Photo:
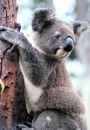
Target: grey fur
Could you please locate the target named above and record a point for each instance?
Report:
(47, 71)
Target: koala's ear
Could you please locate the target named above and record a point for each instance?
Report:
(41, 19)
(80, 27)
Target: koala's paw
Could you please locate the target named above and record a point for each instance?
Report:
(10, 35)
(5, 33)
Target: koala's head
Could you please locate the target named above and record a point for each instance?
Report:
(53, 36)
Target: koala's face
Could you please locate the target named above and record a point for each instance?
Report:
(57, 39)
(53, 36)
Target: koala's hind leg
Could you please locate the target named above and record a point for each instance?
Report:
(53, 120)
(56, 120)
(47, 120)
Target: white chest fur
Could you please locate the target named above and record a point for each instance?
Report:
(32, 93)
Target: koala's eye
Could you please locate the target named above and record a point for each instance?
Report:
(57, 34)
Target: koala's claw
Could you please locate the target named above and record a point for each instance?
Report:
(2, 29)
(8, 34)
(13, 48)
(17, 27)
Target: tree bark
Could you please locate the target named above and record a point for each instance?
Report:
(8, 65)
(49, 4)
(81, 9)
(83, 46)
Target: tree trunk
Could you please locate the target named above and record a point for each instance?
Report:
(8, 65)
(49, 4)
(81, 9)
(83, 46)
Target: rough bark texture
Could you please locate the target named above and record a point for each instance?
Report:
(83, 45)
(49, 4)
(81, 9)
(8, 66)
(8, 73)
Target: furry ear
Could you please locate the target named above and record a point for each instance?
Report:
(42, 18)
(80, 27)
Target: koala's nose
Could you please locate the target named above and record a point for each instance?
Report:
(68, 44)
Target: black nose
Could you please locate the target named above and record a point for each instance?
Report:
(68, 44)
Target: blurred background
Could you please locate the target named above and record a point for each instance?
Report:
(78, 64)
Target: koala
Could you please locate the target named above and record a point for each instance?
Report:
(48, 90)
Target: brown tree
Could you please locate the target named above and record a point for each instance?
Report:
(83, 46)
(9, 113)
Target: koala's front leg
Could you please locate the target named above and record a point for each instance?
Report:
(34, 63)
(12, 36)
